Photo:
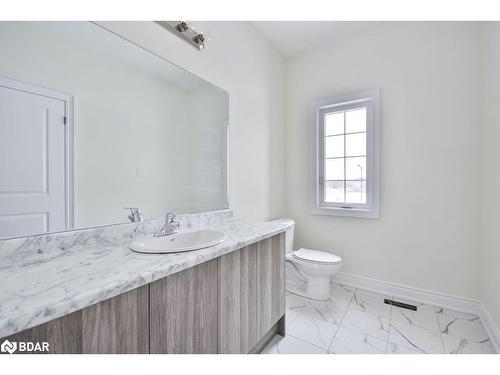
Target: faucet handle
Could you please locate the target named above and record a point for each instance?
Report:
(170, 218)
(135, 214)
(132, 209)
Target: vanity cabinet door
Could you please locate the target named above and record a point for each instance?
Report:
(249, 295)
(183, 310)
(229, 323)
(238, 315)
(271, 282)
(117, 325)
(64, 335)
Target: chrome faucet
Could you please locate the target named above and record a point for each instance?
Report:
(135, 214)
(171, 226)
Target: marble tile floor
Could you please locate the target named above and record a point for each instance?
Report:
(356, 321)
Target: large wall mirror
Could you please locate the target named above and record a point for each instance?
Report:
(91, 123)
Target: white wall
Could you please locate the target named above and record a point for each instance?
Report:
(490, 118)
(428, 233)
(241, 62)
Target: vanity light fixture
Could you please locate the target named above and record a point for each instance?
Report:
(186, 32)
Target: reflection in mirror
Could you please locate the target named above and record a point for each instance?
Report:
(92, 125)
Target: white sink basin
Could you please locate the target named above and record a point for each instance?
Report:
(179, 242)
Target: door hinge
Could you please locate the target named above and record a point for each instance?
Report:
(64, 120)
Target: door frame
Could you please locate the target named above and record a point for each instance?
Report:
(68, 100)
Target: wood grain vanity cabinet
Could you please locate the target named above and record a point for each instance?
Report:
(271, 282)
(231, 304)
(251, 294)
(238, 316)
(117, 325)
(184, 311)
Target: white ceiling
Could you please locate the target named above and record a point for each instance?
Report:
(292, 38)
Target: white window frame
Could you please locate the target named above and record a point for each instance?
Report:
(370, 99)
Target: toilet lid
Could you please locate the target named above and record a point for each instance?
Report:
(316, 256)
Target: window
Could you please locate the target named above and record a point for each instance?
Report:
(345, 155)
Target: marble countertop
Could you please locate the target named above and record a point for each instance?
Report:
(36, 288)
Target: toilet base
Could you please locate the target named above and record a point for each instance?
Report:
(316, 287)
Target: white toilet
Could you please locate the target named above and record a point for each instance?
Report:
(308, 271)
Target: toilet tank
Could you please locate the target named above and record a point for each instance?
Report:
(289, 232)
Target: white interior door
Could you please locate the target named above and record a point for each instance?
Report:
(32, 162)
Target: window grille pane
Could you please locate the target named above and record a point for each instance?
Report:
(345, 150)
(334, 169)
(334, 191)
(356, 168)
(355, 192)
(334, 146)
(356, 120)
(355, 144)
(334, 123)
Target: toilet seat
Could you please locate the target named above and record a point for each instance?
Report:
(316, 256)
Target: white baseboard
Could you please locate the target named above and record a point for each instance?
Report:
(457, 303)
(448, 301)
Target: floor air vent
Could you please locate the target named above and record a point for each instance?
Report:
(400, 304)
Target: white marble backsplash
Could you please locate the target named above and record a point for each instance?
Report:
(46, 245)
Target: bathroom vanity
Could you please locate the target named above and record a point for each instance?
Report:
(98, 296)
(130, 136)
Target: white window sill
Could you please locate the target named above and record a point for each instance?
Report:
(346, 212)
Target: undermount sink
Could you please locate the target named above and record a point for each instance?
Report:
(179, 242)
